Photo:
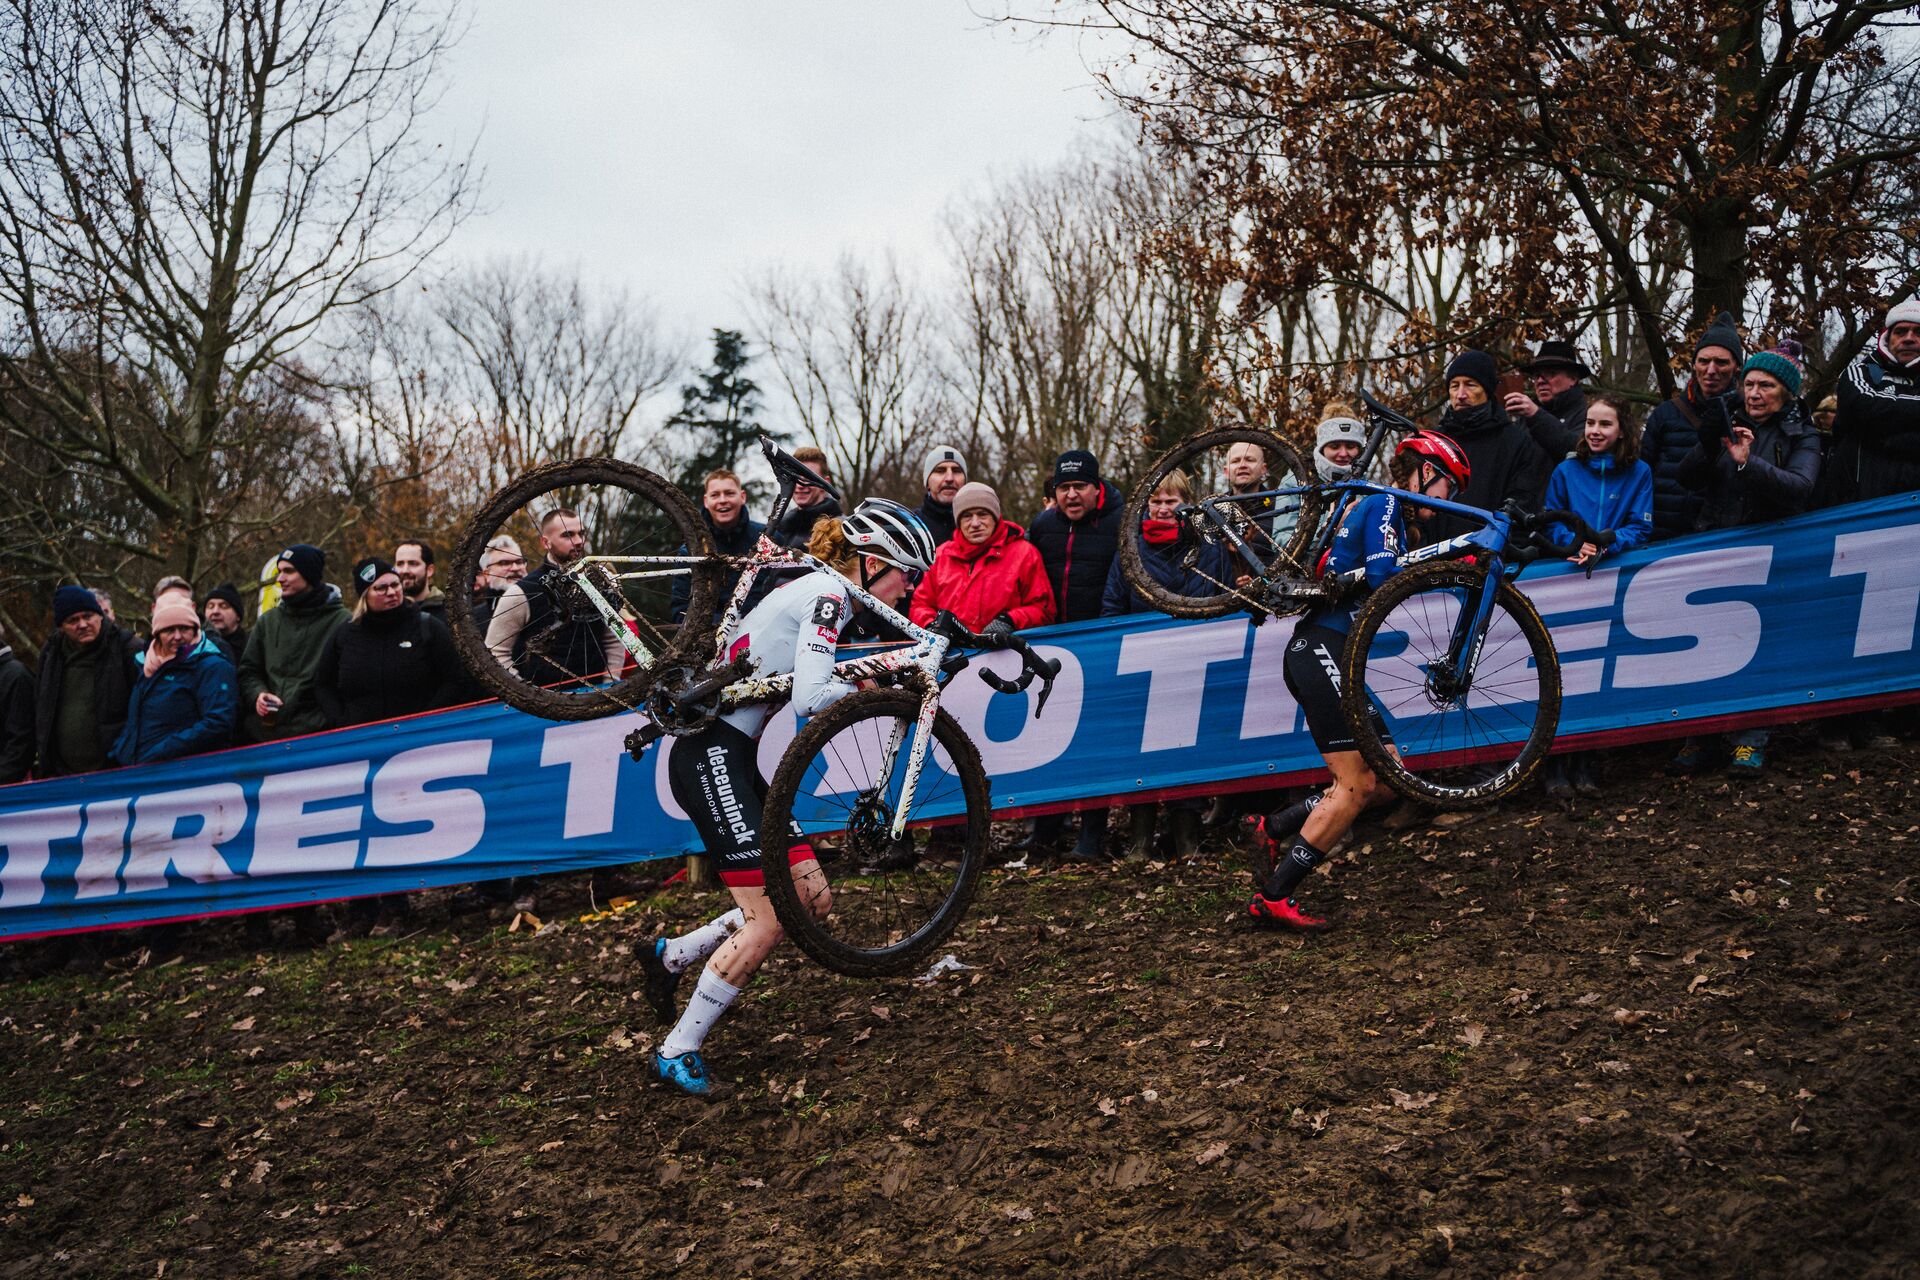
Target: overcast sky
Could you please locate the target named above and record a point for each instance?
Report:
(676, 148)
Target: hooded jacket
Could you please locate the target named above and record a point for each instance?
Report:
(1778, 480)
(1607, 496)
(978, 584)
(1166, 561)
(1506, 463)
(114, 674)
(1079, 553)
(1557, 427)
(383, 665)
(1673, 428)
(283, 651)
(1876, 433)
(186, 707)
(737, 540)
(17, 741)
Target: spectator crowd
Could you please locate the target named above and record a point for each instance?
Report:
(1737, 445)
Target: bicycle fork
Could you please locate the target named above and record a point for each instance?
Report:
(1454, 679)
(916, 759)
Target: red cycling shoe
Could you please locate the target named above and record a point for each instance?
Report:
(1285, 914)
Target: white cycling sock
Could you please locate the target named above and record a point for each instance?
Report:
(710, 999)
(690, 949)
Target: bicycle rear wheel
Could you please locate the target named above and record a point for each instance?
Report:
(1459, 744)
(1278, 530)
(561, 660)
(840, 783)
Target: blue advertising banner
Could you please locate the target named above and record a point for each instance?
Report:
(1816, 610)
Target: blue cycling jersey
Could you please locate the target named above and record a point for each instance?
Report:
(1372, 535)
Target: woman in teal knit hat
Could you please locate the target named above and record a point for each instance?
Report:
(1757, 460)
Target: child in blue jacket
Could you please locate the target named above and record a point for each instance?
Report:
(1604, 483)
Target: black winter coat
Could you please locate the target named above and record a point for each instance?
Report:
(1876, 434)
(1506, 462)
(1672, 429)
(796, 526)
(17, 738)
(735, 541)
(113, 685)
(1778, 480)
(1559, 424)
(1079, 554)
(382, 665)
(938, 517)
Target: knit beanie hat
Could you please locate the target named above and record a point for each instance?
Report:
(1907, 312)
(1479, 366)
(174, 612)
(369, 571)
(1722, 333)
(938, 454)
(69, 600)
(1783, 363)
(309, 561)
(1075, 466)
(228, 592)
(974, 496)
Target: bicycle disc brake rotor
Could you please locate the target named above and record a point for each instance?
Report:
(870, 827)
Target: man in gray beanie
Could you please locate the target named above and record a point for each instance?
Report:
(945, 471)
(1673, 428)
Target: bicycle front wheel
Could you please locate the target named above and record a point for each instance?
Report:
(634, 540)
(837, 790)
(1470, 723)
(1232, 474)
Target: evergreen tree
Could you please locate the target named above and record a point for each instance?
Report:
(720, 412)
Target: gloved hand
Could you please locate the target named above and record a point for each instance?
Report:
(1000, 630)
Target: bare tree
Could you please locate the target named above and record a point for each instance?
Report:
(852, 354)
(538, 369)
(190, 194)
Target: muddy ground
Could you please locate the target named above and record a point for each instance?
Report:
(1670, 1034)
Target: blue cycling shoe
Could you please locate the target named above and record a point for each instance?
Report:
(661, 982)
(687, 1073)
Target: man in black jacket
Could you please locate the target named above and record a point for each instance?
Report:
(1673, 428)
(723, 505)
(1556, 414)
(1506, 461)
(1078, 538)
(1079, 535)
(945, 471)
(87, 673)
(527, 633)
(1876, 433)
(17, 737)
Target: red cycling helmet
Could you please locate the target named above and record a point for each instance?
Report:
(1448, 458)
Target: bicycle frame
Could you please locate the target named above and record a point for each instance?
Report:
(920, 659)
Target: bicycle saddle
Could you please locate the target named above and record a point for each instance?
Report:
(790, 471)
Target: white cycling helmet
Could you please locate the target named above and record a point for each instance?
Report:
(888, 531)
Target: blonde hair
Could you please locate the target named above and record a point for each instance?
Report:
(1176, 481)
(828, 544)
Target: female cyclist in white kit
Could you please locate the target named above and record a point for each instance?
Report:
(715, 778)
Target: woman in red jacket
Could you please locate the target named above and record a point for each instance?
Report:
(987, 570)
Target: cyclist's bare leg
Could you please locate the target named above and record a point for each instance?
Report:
(737, 959)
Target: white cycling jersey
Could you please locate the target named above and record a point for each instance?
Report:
(794, 630)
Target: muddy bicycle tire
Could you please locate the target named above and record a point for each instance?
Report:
(956, 887)
(1463, 785)
(1180, 457)
(689, 644)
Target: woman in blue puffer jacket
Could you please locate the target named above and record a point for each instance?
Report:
(1604, 483)
(187, 696)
